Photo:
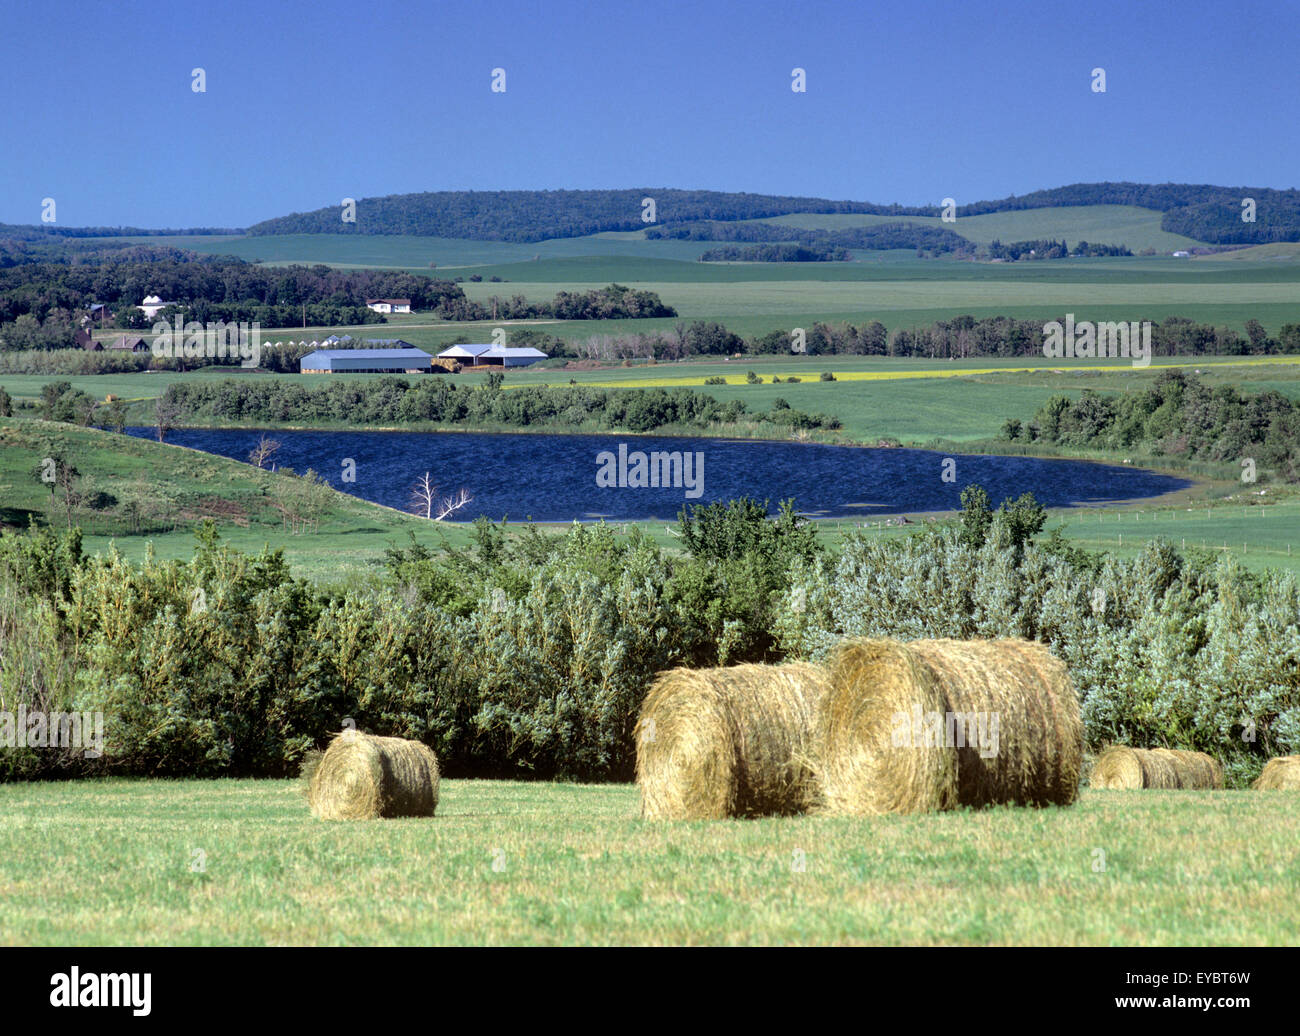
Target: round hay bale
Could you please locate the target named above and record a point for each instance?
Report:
(865, 765)
(361, 777)
(1035, 732)
(728, 742)
(1118, 768)
(1281, 773)
(1123, 768)
(1192, 770)
(938, 724)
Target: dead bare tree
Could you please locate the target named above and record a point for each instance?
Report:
(261, 453)
(427, 500)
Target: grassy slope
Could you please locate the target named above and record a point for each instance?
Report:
(1128, 225)
(350, 534)
(580, 867)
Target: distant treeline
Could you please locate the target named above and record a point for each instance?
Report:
(872, 237)
(1178, 416)
(1048, 249)
(39, 300)
(437, 399)
(966, 336)
(774, 254)
(1202, 211)
(42, 231)
(211, 287)
(958, 337)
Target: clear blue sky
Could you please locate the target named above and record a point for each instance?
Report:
(309, 103)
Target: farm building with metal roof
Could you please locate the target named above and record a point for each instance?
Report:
(502, 356)
(492, 355)
(464, 353)
(367, 361)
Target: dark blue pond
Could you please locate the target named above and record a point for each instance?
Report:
(554, 477)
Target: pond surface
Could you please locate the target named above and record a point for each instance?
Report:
(557, 478)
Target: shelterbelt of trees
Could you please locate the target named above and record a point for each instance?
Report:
(831, 244)
(960, 337)
(529, 656)
(1202, 211)
(1178, 416)
(440, 400)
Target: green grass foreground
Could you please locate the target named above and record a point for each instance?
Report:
(243, 862)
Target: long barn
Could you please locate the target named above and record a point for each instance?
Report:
(367, 361)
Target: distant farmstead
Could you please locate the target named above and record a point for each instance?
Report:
(389, 305)
(367, 361)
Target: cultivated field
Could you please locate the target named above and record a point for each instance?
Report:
(242, 862)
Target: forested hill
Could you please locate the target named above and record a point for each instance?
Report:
(538, 215)
(1200, 211)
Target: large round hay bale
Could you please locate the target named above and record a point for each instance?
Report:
(728, 742)
(1279, 774)
(938, 724)
(361, 777)
(1123, 768)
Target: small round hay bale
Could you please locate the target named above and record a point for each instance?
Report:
(361, 777)
(938, 724)
(866, 761)
(728, 742)
(1193, 771)
(1281, 773)
(1118, 768)
(1124, 768)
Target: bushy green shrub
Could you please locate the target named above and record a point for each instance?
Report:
(1164, 649)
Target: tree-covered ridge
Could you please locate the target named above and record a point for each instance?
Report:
(538, 215)
(1179, 416)
(1202, 211)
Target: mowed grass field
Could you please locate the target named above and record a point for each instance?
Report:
(156, 862)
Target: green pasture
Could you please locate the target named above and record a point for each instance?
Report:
(234, 862)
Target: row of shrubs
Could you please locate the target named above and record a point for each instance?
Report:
(437, 399)
(528, 654)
